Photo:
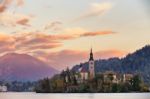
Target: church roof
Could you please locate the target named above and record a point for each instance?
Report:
(91, 55)
(83, 70)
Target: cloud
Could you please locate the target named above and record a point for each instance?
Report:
(20, 2)
(74, 33)
(5, 4)
(62, 59)
(2, 8)
(35, 41)
(76, 30)
(43, 46)
(23, 21)
(26, 42)
(6, 43)
(13, 19)
(68, 58)
(96, 9)
(5, 39)
(40, 45)
(38, 40)
(56, 25)
(110, 53)
(96, 33)
(32, 41)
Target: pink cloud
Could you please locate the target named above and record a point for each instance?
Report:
(97, 33)
(95, 9)
(2, 8)
(12, 19)
(33, 42)
(23, 21)
(27, 42)
(42, 46)
(4, 5)
(67, 58)
(20, 2)
(9, 19)
(6, 43)
(109, 53)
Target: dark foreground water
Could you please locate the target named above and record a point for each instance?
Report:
(74, 96)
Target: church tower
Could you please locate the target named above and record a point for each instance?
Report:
(91, 66)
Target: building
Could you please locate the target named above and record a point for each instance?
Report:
(84, 74)
(110, 76)
(87, 73)
(3, 88)
(91, 66)
(127, 77)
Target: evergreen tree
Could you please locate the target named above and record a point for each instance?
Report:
(136, 83)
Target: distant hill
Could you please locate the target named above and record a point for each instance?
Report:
(23, 67)
(135, 63)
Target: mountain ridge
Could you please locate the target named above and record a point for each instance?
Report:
(23, 67)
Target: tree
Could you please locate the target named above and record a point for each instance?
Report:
(115, 88)
(136, 83)
(43, 86)
(68, 74)
(63, 75)
(84, 88)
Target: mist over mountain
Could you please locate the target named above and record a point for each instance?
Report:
(135, 63)
(23, 67)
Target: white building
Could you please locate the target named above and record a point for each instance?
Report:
(89, 73)
(110, 76)
(3, 88)
(127, 77)
(84, 74)
(91, 66)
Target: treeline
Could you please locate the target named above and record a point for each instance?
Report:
(18, 86)
(58, 84)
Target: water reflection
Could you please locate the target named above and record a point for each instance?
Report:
(74, 96)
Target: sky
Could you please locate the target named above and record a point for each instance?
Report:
(62, 32)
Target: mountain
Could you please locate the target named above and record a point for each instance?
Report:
(23, 67)
(135, 63)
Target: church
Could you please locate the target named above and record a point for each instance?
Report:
(89, 73)
(85, 73)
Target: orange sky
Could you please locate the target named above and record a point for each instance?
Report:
(61, 33)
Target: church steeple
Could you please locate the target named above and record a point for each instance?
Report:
(91, 55)
(91, 66)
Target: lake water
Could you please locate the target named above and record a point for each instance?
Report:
(74, 96)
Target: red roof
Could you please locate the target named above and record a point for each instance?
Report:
(83, 70)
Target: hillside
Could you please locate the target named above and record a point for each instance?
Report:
(137, 62)
(23, 67)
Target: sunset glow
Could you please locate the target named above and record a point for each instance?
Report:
(61, 32)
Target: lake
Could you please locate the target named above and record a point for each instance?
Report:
(75, 96)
